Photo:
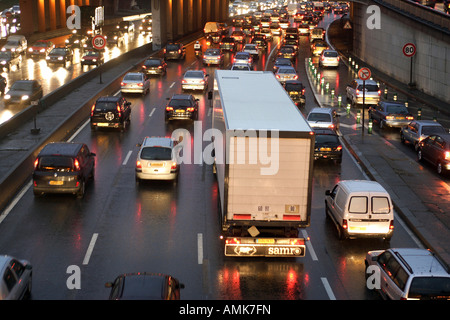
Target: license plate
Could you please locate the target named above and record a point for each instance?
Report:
(325, 149)
(400, 118)
(55, 183)
(102, 124)
(156, 164)
(179, 111)
(266, 240)
(357, 228)
(294, 92)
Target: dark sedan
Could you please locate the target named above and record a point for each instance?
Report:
(10, 58)
(182, 106)
(435, 149)
(391, 114)
(296, 91)
(76, 41)
(59, 56)
(23, 92)
(154, 66)
(327, 145)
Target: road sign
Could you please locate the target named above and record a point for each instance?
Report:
(99, 42)
(347, 25)
(364, 74)
(409, 49)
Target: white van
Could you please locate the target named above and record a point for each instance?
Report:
(211, 27)
(16, 43)
(360, 209)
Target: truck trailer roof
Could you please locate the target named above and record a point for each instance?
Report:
(256, 100)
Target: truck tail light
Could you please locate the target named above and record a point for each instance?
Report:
(291, 217)
(242, 216)
(297, 242)
(391, 225)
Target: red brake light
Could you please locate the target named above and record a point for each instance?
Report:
(190, 109)
(174, 166)
(338, 148)
(409, 117)
(36, 162)
(391, 225)
(447, 155)
(138, 164)
(92, 109)
(233, 241)
(140, 84)
(76, 164)
(169, 108)
(344, 224)
(122, 83)
(118, 110)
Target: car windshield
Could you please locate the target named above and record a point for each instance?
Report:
(156, 153)
(327, 138)
(22, 86)
(294, 87)
(58, 51)
(192, 74)
(50, 163)
(180, 103)
(429, 130)
(287, 70)
(319, 117)
(396, 109)
(132, 77)
(430, 288)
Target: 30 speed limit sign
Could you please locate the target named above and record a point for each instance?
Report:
(99, 42)
(409, 49)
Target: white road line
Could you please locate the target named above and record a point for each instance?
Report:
(127, 157)
(200, 248)
(328, 288)
(151, 113)
(79, 130)
(309, 246)
(209, 112)
(90, 249)
(115, 94)
(171, 86)
(8, 209)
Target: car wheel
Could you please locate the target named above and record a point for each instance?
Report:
(419, 155)
(439, 168)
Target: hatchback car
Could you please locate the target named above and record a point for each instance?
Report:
(110, 112)
(228, 44)
(154, 66)
(327, 145)
(266, 32)
(275, 28)
(144, 286)
(59, 56)
(242, 57)
(435, 149)
(323, 118)
(391, 114)
(252, 49)
(174, 51)
(135, 82)
(194, 80)
(238, 35)
(23, 92)
(296, 91)
(318, 47)
(15, 278)
(76, 41)
(92, 58)
(115, 38)
(241, 67)
(354, 92)
(281, 62)
(418, 130)
(407, 274)
(156, 160)
(213, 56)
(284, 74)
(40, 49)
(9, 59)
(260, 40)
(63, 167)
(287, 52)
(182, 106)
(329, 58)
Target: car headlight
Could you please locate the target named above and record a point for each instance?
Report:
(60, 58)
(67, 41)
(25, 97)
(7, 96)
(47, 58)
(13, 49)
(3, 62)
(94, 60)
(42, 50)
(30, 50)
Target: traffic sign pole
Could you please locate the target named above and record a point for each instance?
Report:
(409, 50)
(364, 74)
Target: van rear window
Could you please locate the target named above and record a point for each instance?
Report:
(380, 205)
(357, 205)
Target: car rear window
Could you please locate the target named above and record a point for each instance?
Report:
(193, 74)
(396, 109)
(294, 87)
(156, 153)
(172, 47)
(133, 77)
(100, 106)
(321, 117)
(369, 87)
(327, 138)
(152, 63)
(430, 288)
(180, 103)
(330, 54)
(51, 163)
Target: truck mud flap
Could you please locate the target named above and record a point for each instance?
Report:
(250, 247)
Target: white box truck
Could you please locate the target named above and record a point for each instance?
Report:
(263, 151)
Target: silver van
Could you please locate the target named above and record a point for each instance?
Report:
(360, 209)
(16, 43)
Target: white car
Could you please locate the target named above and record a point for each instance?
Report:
(194, 80)
(16, 276)
(243, 57)
(253, 49)
(156, 160)
(329, 58)
(241, 67)
(284, 74)
(135, 82)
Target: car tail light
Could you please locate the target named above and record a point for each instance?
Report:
(179, 50)
(344, 224)
(409, 117)
(357, 92)
(447, 155)
(202, 81)
(92, 109)
(379, 92)
(233, 241)
(391, 225)
(138, 164)
(190, 109)
(174, 166)
(76, 164)
(168, 108)
(122, 84)
(184, 81)
(119, 112)
(36, 162)
(339, 148)
(159, 67)
(390, 117)
(278, 76)
(144, 67)
(140, 84)
(295, 77)
(165, 50)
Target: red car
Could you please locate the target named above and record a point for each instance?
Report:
(92, 58)
(40, 49)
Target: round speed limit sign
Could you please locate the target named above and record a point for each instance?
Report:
(409, 49)
(99, 42)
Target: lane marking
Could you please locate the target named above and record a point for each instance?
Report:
(15, 201)
(328, 288)
(171, 86)
(309, 246)
(90, 249)
(151, 113)
(127, 157)
(200, 248)
(79, 130)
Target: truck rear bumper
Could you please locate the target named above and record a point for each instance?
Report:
(264, 247)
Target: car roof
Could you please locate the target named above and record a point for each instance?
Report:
(157, 141)
(61, 148)
(143, 286)
(359, 81)
(321, 110)
(422, 261)
(362, 186)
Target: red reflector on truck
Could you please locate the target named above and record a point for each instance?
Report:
(242, 216)
(291, 217)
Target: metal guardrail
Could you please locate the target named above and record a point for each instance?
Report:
(423, 14)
